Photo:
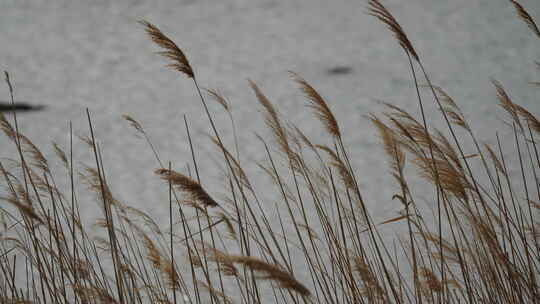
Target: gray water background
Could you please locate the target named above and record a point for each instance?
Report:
(73, 55)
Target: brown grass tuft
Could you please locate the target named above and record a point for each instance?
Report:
(378, 10)
(506, 103)
(319, 105)
(219, 98)
(451, 109)
(272, 119)
(172, 51)
(61, 154)
(431, 282)
(371, 286)
(338, 163)
(272, 272)
(188, 185)
(215, 292)
(525, 16)
(153, 254)
(172, 277)
(135, 124)
(391, 145)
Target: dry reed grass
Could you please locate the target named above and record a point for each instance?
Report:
(231, 253)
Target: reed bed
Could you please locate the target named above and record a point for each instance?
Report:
(480, 245)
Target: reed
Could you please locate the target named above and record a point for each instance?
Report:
(324, 246)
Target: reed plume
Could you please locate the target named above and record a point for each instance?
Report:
(172, 51)
(272, 119)
(378, 10)
(187, 185)
(272, 272)
(526, 17)
(319, 105)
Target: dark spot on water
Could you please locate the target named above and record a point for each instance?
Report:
(19, 107)
(340, 70)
